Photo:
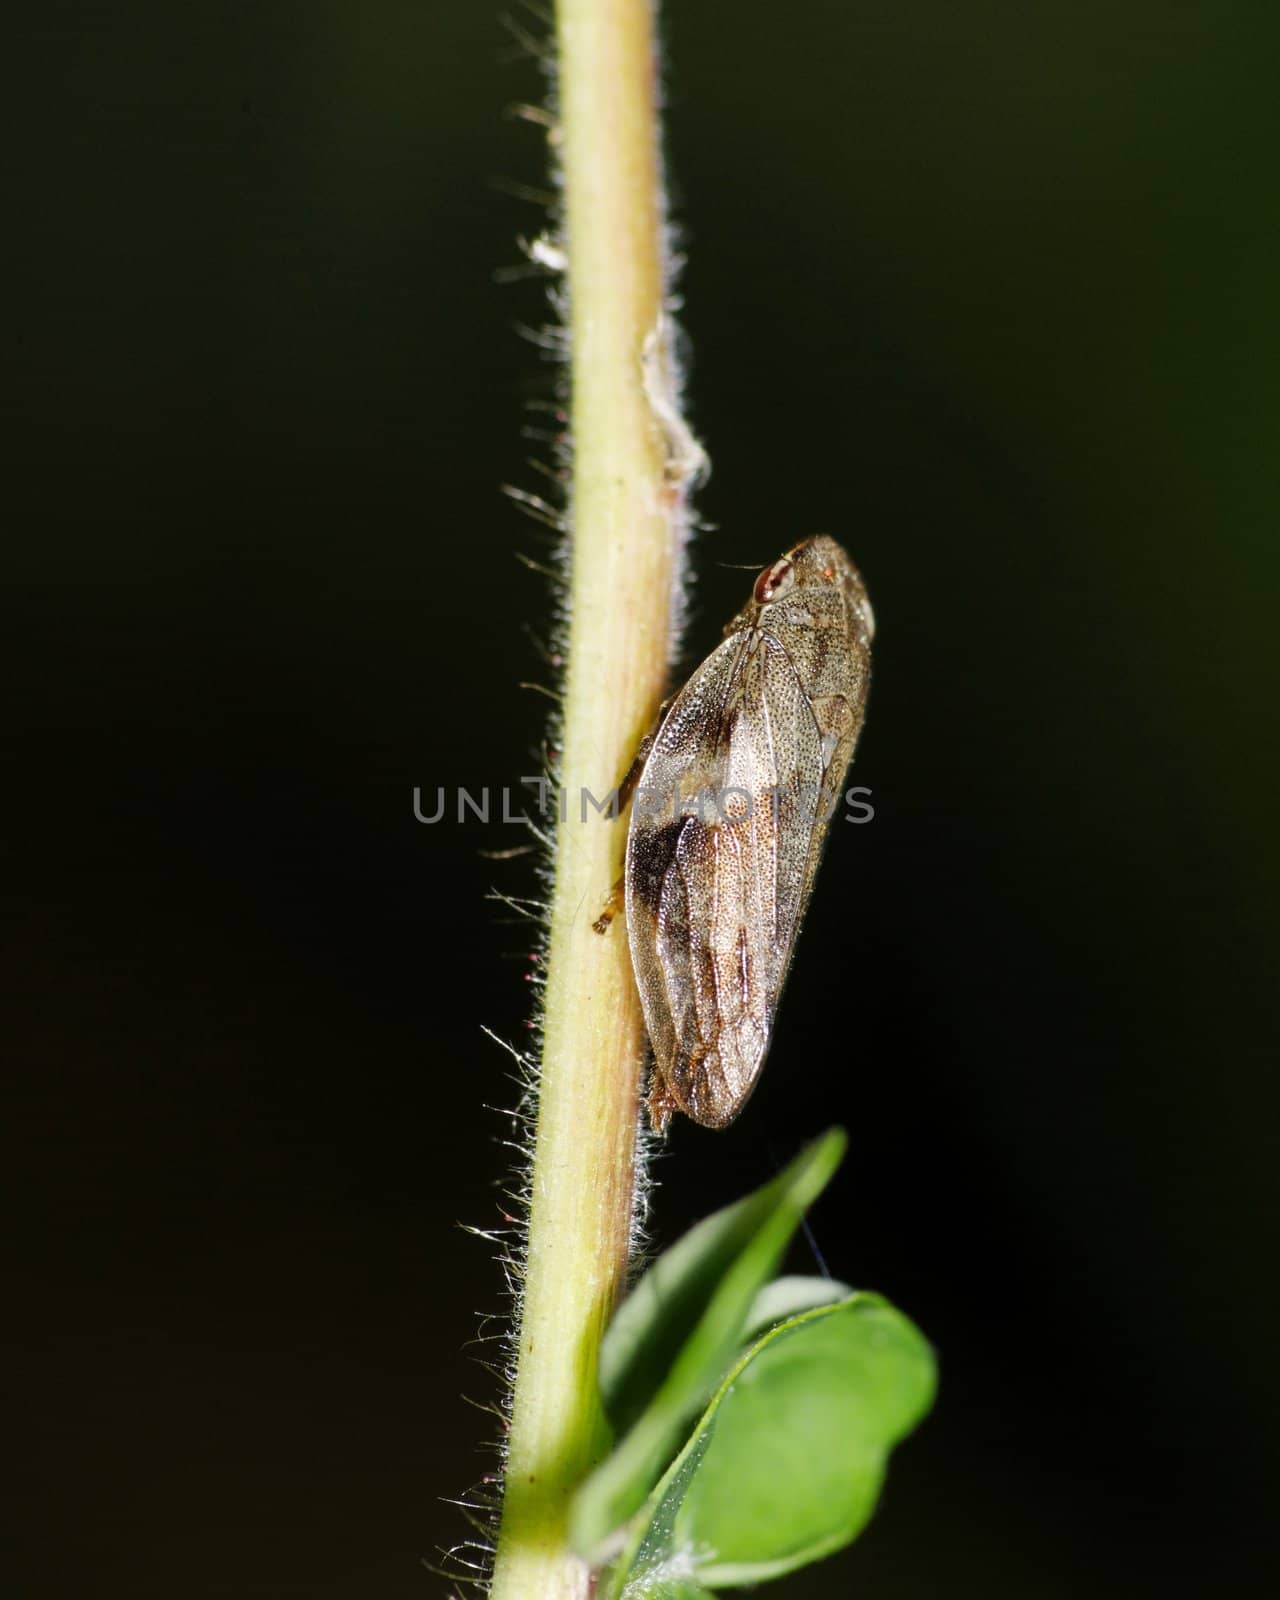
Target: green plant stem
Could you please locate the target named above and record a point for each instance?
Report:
(624, 548)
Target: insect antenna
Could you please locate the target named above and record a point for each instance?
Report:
(810, 1238)
(812, 1242)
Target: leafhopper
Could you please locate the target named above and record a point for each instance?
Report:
(731, 808)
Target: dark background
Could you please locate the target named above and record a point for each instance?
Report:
(988, 290)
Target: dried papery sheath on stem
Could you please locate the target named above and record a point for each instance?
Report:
(728, 821)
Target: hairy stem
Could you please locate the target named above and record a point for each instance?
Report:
(625, 518)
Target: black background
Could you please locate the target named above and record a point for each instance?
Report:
(987, 290)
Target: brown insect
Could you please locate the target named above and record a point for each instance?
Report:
(735, 794)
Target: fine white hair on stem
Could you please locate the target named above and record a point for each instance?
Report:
(665, 463)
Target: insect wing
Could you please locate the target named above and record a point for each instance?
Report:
(824, 631)
(729, 822)
(718, 870)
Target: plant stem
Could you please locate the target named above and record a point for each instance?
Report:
(625, 545)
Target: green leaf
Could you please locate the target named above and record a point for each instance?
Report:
(675, 1335)
(675, 1589)
(786, 1298)
(655, 1321)
(786, 1463)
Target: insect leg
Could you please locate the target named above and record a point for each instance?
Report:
(662, 1103)
(612, 906)
(625, 790)
(632, 775)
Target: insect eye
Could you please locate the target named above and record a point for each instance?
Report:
(829, 573)
(774, 581)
